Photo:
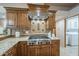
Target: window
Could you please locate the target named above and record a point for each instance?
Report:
(72, 31)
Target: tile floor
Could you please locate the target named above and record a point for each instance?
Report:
(69, 51)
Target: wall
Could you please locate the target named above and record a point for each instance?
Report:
(60, 31)
(2, 13)
(74, 11)
(60, 15)
(64, 14)
(38, 26)
(2, 19)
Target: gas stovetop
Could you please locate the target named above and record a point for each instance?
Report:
(38, 39)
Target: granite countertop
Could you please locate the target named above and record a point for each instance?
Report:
(6, 44)
(1, 36)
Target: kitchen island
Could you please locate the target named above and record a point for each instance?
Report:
(19, 47)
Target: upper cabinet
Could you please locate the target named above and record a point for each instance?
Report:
(52, 22)
(11, 19)
(21, 18)
(23, 21)
(17, 18)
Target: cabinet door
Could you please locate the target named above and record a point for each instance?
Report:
(55, 48)
(18, 18)
(14, 50)
(18, 49)
(45, 50)
(12, 19)
(23, 21)
(51, 23)
(22, 48)
(55, 51)
(33, 50)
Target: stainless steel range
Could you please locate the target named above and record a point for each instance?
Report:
(38, 39)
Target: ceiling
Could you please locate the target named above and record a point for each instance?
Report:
(62, 6)
(53, 6)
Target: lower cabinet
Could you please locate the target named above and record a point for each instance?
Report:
(33, 50)
(45, 50)
(39, 50)
(22, 48)
(52, 49)
(11, 52)
(55, 48)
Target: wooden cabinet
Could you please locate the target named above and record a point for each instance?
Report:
(55, 48)
(11, 18)
(52, 49)
(33, 50)
(45, 50)
(52, 23)
(39, 50)
(17, 17)
(23, 21)
(11, 52)
(22, 48)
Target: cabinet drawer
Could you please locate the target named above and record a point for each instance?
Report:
(23, 42)
(55, 42)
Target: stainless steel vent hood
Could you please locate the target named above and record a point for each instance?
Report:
(38, 11)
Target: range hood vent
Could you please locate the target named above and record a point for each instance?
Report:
(38, 11)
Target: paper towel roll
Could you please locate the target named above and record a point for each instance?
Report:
(17, 34)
